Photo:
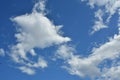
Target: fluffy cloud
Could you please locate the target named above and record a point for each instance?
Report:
(2, 52)
(89, 66)
(35, 31)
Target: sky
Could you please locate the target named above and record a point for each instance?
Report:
(60, 39)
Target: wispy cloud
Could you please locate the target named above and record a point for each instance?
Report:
(103, 8)
(27, 70)
(2, 52)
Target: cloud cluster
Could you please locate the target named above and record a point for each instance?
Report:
(35, 31)
(95, 65)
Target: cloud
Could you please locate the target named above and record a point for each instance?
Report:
(92, 3)
(75, 64)
(89, 66)
(30, 68)
(103, 8)
(27, 70)
(98, 24)
(35, 31)
(2, 52)
(93, 65)
(112, 73)
(119, 20)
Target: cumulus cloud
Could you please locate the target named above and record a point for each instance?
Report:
(103, 8)
(35, 31)
(89, 66)
(2, 52)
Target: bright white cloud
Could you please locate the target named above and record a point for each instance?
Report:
(2, 52)
(35, 31)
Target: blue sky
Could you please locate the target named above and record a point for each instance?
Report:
(60, 39)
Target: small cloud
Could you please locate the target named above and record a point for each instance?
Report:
(2, 52)
(98, 26)
(27, 70)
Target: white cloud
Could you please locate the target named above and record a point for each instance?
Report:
(2, 52)
(65, 52)
(36, 25)
(104, 8)
(35, 31)
(40, 63)
(40, 6)
(75, 64)
(88, 66)
(112, 74)
(99, 24)
(27, 70)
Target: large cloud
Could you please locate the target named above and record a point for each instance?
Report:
(90, 66)
(35, 31)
